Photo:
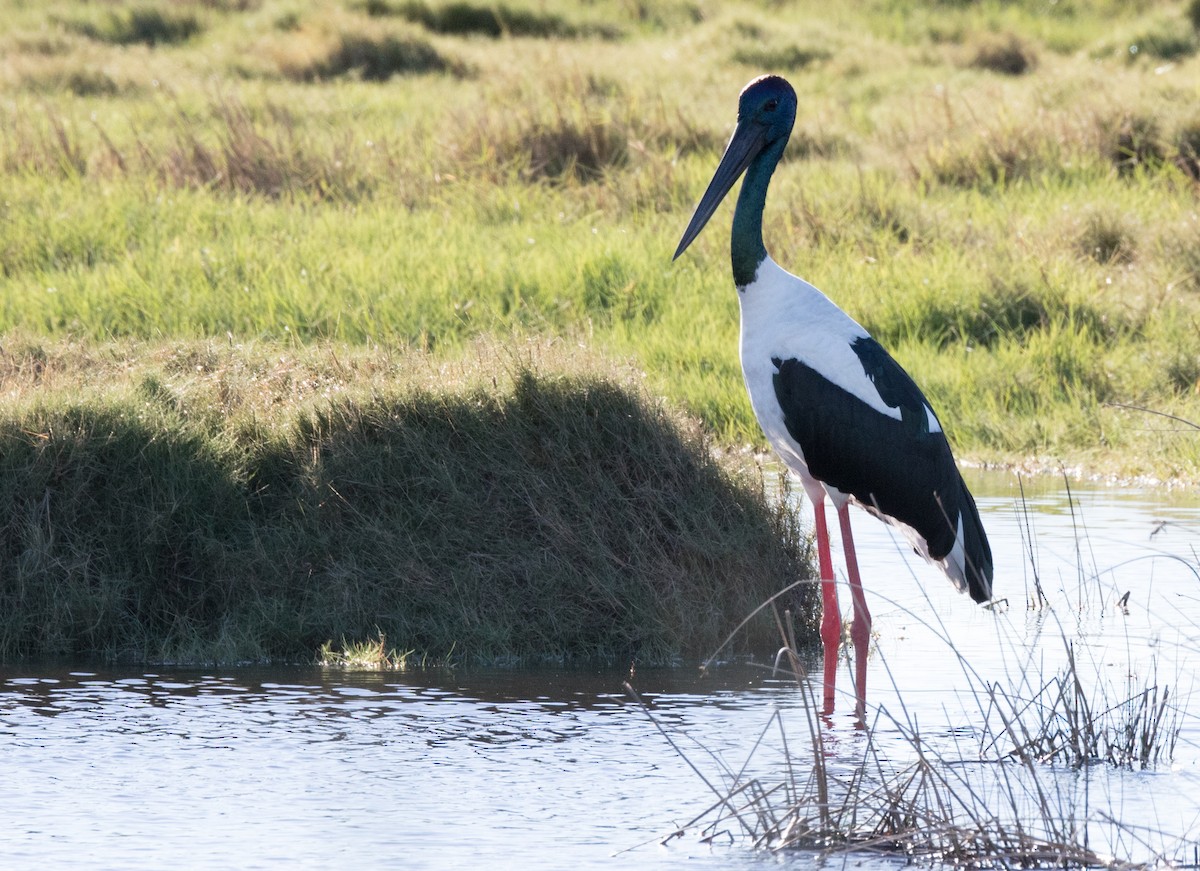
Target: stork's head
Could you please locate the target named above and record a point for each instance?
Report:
(766, 113)
(768, 104)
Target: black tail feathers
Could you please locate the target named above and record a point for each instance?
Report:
(976, 550)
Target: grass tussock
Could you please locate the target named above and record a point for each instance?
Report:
(225, 147)
(492, 20)
(345, 46)
(1137, 143)
(83, 80)
(1168, 40)
(581, 147)
(1107, 238)
(787, 58)
(206, 502)
(1007, 54)
(996, 158)
(377, 60)
(144, 25)
(589, 133)
(1187, 149)
(249, 156)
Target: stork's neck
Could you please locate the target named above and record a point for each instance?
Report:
(746, 241)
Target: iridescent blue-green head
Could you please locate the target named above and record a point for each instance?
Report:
(766, 113)
(768, 103)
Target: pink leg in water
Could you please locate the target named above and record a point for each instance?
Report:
(831, 618)
(860, 629)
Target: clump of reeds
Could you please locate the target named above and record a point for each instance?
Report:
(1065, 722)
(1002, 808)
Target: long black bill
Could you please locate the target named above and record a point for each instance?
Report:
(743, 147)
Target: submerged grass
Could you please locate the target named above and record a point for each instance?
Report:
(202, 501)
(365, 655)
(1065, 722)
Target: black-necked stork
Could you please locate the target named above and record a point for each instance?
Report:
(839, 411)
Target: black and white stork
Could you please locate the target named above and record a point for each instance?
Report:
(840, 412)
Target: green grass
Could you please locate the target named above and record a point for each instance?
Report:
(986, 186)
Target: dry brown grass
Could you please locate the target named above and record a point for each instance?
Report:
(223, 146)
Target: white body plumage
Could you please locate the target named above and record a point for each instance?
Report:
(785, 317)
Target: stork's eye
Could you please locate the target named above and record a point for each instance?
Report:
(772, 105)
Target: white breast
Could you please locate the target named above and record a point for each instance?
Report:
(785, 317)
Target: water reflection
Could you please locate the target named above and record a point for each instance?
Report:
(262, 767)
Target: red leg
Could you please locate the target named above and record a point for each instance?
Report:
(860, 629)
(831, 618)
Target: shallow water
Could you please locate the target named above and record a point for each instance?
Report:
(253, 768)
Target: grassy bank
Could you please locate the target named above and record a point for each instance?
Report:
(198, 501)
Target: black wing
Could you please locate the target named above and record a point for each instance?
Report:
(895, 467)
